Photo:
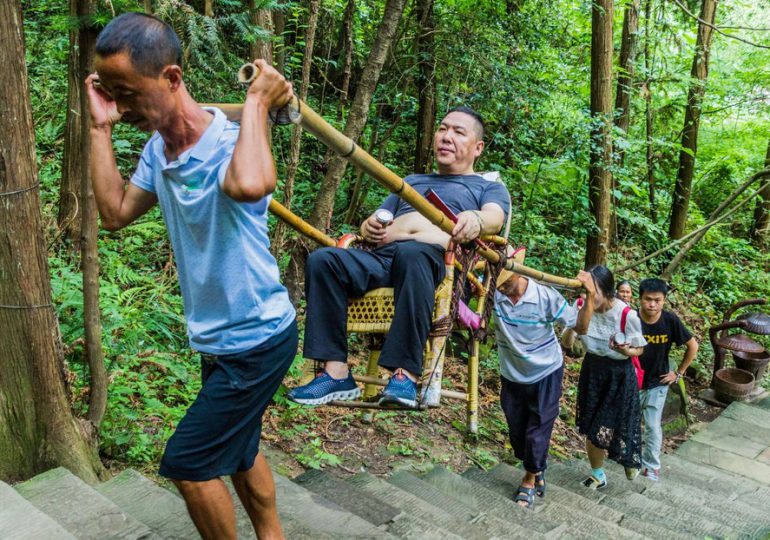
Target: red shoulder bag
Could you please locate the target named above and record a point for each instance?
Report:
(634, 359)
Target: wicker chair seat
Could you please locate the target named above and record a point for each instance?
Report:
(373, 312)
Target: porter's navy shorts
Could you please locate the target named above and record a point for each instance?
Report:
(220, 433)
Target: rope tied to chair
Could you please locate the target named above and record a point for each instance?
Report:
(467, 257)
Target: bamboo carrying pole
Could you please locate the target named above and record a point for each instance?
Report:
(311, 121)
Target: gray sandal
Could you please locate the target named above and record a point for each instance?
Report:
(527, 495)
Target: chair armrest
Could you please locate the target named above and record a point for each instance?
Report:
(347, 240)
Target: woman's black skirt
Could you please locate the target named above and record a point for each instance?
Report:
(608, 410)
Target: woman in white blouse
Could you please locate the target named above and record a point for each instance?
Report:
(608, 412)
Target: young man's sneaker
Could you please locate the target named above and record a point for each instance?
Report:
(651, 474)
(401, 390)
(324, 388)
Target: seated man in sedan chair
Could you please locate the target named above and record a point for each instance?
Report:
(409, 256)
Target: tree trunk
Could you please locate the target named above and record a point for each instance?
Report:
(89, 229)
(68, 218)
(346, 41)
(648, 112)
(699, 75)
(361, 189)
(426, 87)
(626, 75)
(759, 228)
(263, 19)
(208, 8)
(600, 175)
(296, 134)
(148, 7)
(37, 428)
(359, 111)
(279, 52)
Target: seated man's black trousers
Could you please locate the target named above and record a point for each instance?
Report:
(333, 275)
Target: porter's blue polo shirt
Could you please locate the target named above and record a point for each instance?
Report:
(233, 299)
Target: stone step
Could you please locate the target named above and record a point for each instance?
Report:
(409, 527)
(478, 496)
(504, 479)
(79, 508)
(145, 501)
(587, 522)
(706, 476)
(414, 506)
(508, 478)
(616, 475)
(320, 514)
(244, 528)
(20, 520)
(351, 498)
(571, 475)
(742, 438)
(728, 461)
(709, 479)
(371, 508)
(762, 404)
(671, 517)
(435, 496)
(747, 520)
(748, 413)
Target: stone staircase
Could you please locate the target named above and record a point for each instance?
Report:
(717, 485)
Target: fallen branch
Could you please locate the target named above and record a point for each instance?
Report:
(679, 257)
(714, 218)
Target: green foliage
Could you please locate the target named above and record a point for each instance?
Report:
(525, 65)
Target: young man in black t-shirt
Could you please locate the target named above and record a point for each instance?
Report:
(661, 329)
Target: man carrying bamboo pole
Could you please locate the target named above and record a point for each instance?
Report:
(409, 257)
(212, 181)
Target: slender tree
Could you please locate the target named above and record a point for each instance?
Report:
(68, 218)
(600, 175)
(426, 86)
(296, 134)
(648, 114)
(37, 428)
(262, 18)
(208, 8)
(279, 27)
(148, 6)
(698, 77)
(89, 229)
(628, 48)
(761, 224)
(346, 42)
(359, 110)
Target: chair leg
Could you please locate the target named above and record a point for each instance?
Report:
(372, 370)
(473, 389)
(432, 372)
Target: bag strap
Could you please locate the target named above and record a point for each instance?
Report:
(623, 318)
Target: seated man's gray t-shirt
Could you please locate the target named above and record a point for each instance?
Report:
(459, 192)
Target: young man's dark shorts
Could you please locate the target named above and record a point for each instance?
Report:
(220, 433)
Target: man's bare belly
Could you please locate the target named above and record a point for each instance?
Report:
(414, 226)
